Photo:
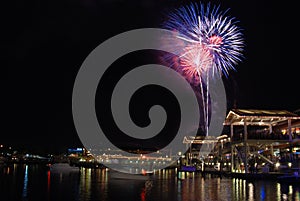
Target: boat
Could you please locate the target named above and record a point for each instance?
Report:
(63, 168)
(187, 168)
(144, 175)
(290, 178)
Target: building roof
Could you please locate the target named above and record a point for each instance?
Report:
(199, 139)
(255, 112)
(297, 111)
(260, 117)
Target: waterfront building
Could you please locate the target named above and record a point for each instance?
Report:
(252, 141)
(262, 139)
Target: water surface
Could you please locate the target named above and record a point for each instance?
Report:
(33, 182)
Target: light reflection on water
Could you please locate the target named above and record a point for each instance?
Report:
(25, 185)
(29, 182)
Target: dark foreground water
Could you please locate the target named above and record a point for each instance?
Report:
(32, 182)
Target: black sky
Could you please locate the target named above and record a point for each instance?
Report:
(47, 41)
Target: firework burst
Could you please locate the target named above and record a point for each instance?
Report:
(211, 44)
(213, 40)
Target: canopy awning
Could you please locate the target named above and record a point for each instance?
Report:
(261, 117)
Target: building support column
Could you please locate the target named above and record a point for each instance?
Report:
(290, 129)
(246, 145)
(232, 148)
(232, 158)
(270, 128)
(272, 152)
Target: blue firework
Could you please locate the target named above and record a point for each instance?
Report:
(207, 29)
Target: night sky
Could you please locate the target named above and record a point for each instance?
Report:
(47, 41)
